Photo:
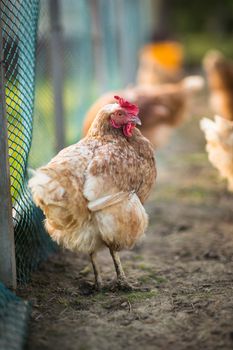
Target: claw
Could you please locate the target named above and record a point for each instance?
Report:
(125, 286)
(98, 286)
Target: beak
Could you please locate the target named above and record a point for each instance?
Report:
(136, 120)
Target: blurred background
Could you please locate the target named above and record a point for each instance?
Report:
(100, 42)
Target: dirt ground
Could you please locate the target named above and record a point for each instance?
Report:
(186, 260)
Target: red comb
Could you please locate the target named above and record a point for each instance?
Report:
(129, 107)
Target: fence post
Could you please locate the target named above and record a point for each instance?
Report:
(57, 61)
(125, 50)
(7, 244)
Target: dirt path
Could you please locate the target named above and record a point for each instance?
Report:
(186, 260)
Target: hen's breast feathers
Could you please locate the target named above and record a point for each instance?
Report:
(94, 169)
(118, 166)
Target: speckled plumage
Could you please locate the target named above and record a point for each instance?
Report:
(76, 181)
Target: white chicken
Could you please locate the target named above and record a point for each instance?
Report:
(219, 137)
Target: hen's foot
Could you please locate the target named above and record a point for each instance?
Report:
(98, 286)
(125, 286)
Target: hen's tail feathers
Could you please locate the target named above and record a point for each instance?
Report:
(45, 190)
(193, 83)
(219, 137)
(208, 126)
(217, 128)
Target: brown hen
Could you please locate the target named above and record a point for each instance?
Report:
(92, 193)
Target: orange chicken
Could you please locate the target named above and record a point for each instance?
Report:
(92, 193)
(160, 62)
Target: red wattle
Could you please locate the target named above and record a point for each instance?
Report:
(128, 129)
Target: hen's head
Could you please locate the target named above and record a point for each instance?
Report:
(120, 115)
(125, 116)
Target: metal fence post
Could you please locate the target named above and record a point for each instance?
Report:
(57, 61)
(7, 244)
(125, 50)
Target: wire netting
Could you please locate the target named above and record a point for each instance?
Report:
(19, 30)
(14, 314)
(19, 20)
(43, 141)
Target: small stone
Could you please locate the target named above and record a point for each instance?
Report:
(124, 304)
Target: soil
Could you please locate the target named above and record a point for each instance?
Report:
(186, 260)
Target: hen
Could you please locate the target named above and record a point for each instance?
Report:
(160, 62)
(92, 193)
(219, 136)
(161, 107)
(219, 72)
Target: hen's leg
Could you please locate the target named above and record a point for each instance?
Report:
(122, 282)
(98, 279)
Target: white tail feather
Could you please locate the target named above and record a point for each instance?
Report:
(210, 129)
(44, 189)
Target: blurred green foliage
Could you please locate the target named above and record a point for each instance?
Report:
(201, 16)
(197, 44)
(201, 25)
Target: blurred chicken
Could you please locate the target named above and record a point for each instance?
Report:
(219, 72)
(161, 107)
(219, 136)
(160, 62)
(92, 193)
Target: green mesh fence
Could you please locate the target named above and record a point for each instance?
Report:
(19, 31)
(14, 314)
(43, 141)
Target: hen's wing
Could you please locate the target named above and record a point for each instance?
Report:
(119, 166)
(115, 179)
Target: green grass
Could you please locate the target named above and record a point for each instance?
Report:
(150, 274)
(134, 297)
(105, 300)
